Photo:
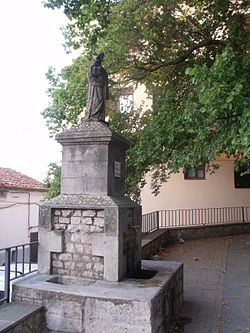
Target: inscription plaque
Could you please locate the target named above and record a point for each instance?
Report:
(117, 167)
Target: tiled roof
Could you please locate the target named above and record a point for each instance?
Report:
(13, 180)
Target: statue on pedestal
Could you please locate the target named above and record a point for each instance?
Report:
(97, 90)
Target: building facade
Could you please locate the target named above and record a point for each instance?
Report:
(199, 189)
(20, 197)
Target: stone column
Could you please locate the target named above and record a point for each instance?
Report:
(91, 230)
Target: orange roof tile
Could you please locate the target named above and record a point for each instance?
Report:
(13, 180)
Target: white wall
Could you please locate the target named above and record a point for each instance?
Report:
(141, 99)
(17, 218)
(216, 190)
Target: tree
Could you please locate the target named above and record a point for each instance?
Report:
(53, 181)
(191, 55)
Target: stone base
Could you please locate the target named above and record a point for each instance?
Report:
(76, 305)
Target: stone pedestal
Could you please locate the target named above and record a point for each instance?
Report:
(93, 160)
(91, 230)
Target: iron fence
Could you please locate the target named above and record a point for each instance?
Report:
(150, 222)
(194, 217)
(15, 262)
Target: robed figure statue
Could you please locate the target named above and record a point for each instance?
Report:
(97, 90)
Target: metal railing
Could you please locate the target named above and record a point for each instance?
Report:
(194, 217)
(150, 222)
(15, 262)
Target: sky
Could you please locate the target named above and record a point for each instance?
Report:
(31, 41)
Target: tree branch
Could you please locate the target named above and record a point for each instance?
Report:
(176, 61)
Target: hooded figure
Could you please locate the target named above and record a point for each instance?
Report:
(97, 90)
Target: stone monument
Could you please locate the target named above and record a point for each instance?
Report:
(89, 261)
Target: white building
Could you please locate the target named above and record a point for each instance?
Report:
(196, 189)
(20, 196)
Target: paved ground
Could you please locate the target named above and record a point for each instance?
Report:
(216, 284)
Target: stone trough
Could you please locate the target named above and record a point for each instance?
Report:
(132, 305)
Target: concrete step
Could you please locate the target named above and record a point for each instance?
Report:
(19, 317)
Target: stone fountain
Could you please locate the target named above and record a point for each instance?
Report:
(91, 277)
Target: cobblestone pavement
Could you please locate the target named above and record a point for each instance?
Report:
(216, 284)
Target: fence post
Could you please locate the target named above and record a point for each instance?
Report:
(157, 219)
(7, 276)
(243, 217)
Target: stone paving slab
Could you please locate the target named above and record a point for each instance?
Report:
(12, 313)
(216, 284)
(236, 313)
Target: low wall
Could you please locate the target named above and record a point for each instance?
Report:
(21, 318)
(160, 238)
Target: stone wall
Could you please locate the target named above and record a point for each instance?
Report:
(78, 226)
(197, 232)
(161, 238)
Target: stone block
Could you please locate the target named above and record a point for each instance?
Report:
(69, 265)
(95, 229)
(45, 222)
(61, 227)
(44, 262)
(98, 243)
(74, 228)
(79, 265)
(87, 249)
(77, 213)
(89, 266)
(111, 221)
(57, 264)
(64, 316)
(100, 213)
(70, 247)
(76, 237)
(87, 220)
(55, 220)
(85, 238)
(72, 185)
(75, 220)
(50, 241)
(66, 212)
(99, 222)
(78, 257)
(98, 267)
(79, 248)
(95, 185)
(88, 213)
(57, 212)
(64, 220)
(64, 256)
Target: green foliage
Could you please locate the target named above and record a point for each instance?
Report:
(89, 18)
(67, 92)
(209, 118)
(193, 58)
(53, 181)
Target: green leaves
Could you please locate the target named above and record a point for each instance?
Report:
(68, 92)
(53, 181)
(192, 57)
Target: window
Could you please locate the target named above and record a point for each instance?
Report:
(241, 181)
(198, 173)
(126, 103)
(3, 195)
